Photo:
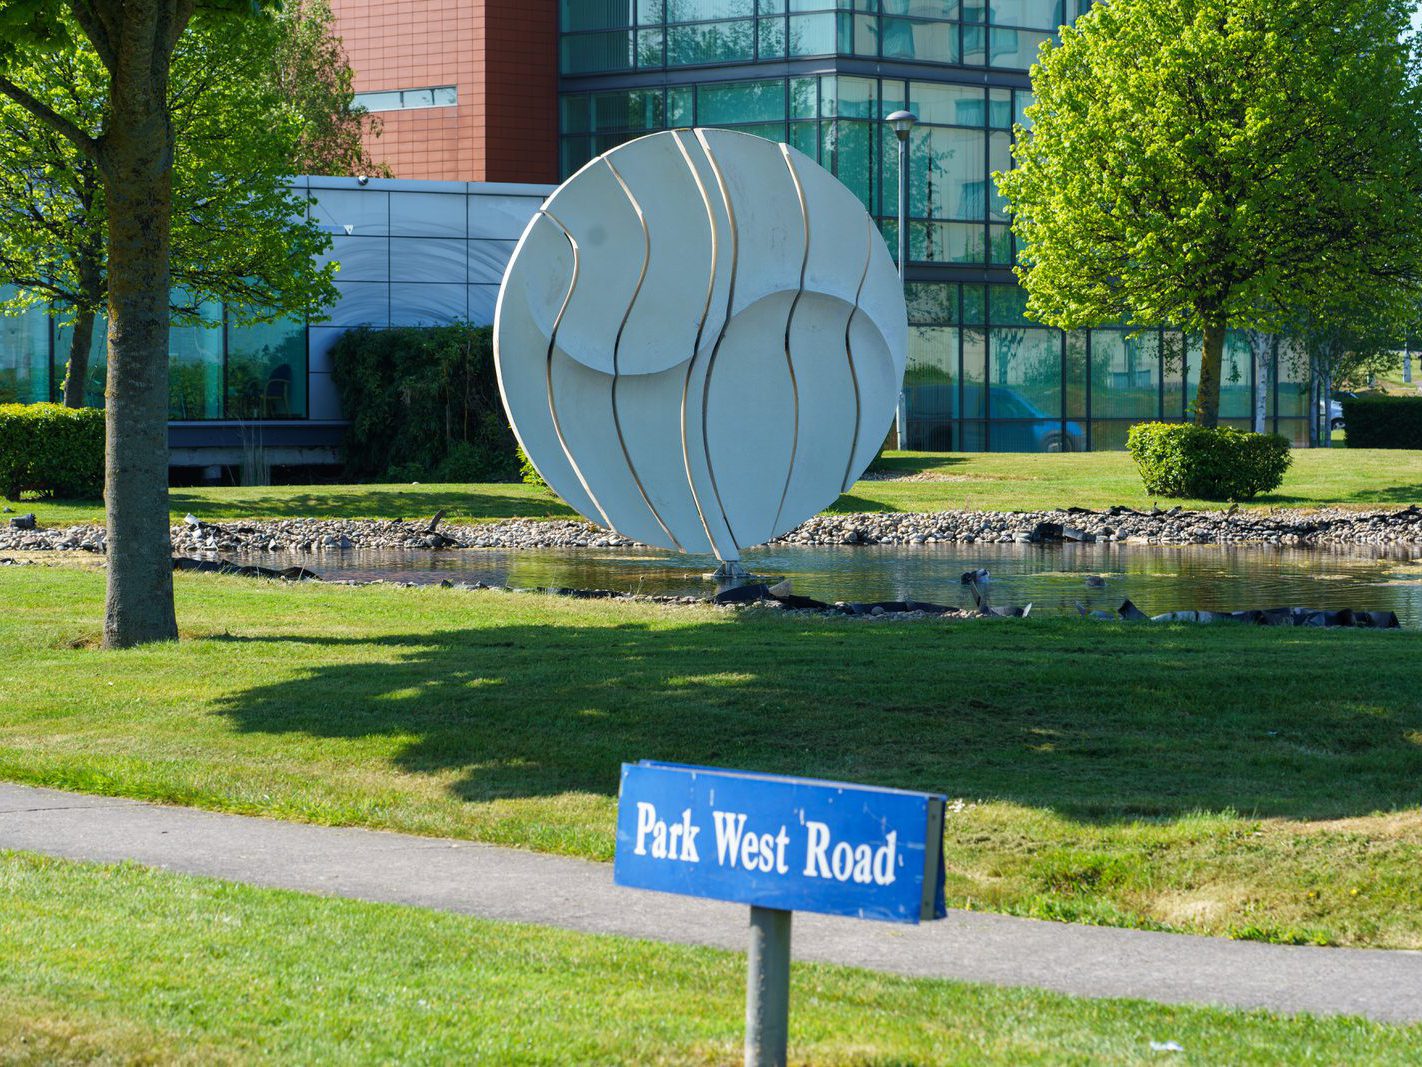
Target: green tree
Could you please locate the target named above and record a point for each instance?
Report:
(133, 147)
(314, 76)
(239, 233)
(1341, 345)
(1209, 164)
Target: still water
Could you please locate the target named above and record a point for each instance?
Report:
(1052, 578)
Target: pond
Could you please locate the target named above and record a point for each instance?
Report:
(1052, 578)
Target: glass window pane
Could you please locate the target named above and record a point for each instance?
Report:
(195, 368)
(947, 174)
(999, 160)
(24, 354)
(1236, 377)
(1024, 101)
(595, 14)
(1000, 246)
(805, 136)
(1000, 109)
(847, 156)
(927, 9)
(866, 35)
(1014, 48)
(680, 105)
(718, 42)
(1036, 14)
(856, 98)
(772, 38)
(932, 42)
(932, 303)
(1026, 374)
(704, 10)
(804, 97)
(266, 370)
(974, 367)
(1076, 374)
(931, 387)
(813, 35)
(1125, 375)
(946, 105)
(589, 52)
(647, 10)
(736, 102)
(631, 109)
(771, 7)
(650, 48)
(946, 242)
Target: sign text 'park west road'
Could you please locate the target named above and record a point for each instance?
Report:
(793, 844)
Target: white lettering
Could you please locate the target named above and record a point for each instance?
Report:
(688, 838)
(842, 860)
(884, 866)
(863, 857)
(659, 840)
(729, 828)
(646, 818)
(750, 851)
(819, 837)
(781, 840)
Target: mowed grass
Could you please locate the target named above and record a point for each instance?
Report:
(1253, 782)
(128, 964)
(941, 482)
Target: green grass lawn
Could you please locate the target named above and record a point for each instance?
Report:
(127, 964)
(986, 481)
(1254, 782)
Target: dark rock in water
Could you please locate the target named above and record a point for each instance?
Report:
(23, 522)
(742, 594)
(929, 609)
(979, 575)
(1046, 533)
(585, 594)
(800, 603)
(1095, 581)
(1127, 610)
(445, 583)
(226, 566)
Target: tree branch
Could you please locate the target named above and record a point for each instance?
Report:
(87, 145)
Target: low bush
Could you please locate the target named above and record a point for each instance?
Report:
(423, 404)
(51, 449)
(1383, 421)
(1198, 463)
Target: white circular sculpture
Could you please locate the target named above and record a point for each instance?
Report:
(700, 340)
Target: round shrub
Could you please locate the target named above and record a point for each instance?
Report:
(1199, 463)
(51, 449)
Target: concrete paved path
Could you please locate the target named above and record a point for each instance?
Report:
(507, 884)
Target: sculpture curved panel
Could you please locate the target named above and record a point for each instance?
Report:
(700, 340)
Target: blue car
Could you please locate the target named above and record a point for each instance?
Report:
(1015, 424)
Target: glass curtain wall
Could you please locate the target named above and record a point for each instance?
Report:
(605, 36)
(217, 369)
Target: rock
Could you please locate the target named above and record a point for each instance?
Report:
(1129, 611)
(23, 522)
(1095, 581)
(780, 589)
(742, 594)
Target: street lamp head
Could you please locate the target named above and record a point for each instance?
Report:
(902, 122)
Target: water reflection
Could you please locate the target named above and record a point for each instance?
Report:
(1053, 578)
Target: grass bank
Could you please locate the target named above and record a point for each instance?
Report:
(128, 964)
(1259, 783)
(939, 482)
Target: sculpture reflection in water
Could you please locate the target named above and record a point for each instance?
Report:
(700, 340)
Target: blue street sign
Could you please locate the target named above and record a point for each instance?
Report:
(793, 844)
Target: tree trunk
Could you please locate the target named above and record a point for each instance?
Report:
(137, 163)
(1207, 395)
(77, 369)
(1261, 345)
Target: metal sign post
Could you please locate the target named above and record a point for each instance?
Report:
(768, 988)
(780, 845)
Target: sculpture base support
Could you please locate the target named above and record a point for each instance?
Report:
(730, 572)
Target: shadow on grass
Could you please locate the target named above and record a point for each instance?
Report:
(1391, 494)
(408, 502)
(1099, 723)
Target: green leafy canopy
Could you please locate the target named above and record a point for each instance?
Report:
(1221, 163)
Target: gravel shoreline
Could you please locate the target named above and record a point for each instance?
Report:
(1313, 528)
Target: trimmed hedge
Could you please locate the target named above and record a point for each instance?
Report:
(424, 405)
(1383, 421)
(1197, 463)
(51, 449)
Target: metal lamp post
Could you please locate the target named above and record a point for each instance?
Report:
(902, 123)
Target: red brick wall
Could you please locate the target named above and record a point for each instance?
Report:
(501, 55)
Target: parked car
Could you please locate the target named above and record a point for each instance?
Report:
(1335, 409)
(1016, 424)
